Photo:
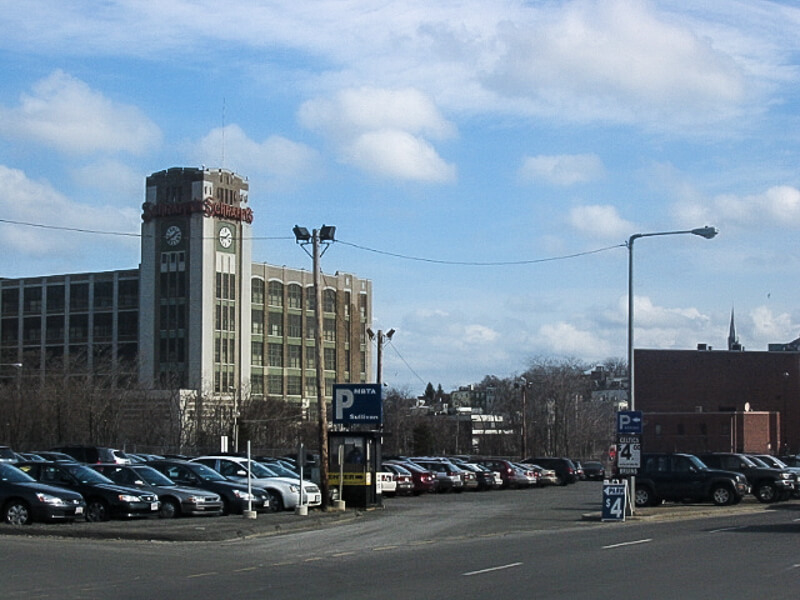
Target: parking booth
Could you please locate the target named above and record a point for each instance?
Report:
(354, 459)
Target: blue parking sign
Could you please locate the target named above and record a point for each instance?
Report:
(629, 422)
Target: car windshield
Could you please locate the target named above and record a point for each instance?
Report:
(282, 471)
(13, 474)
(260, 471)
(778, 462)
(86, 474)
(206, 473)
(153, 477)
(758, 462)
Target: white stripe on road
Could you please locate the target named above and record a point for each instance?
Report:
(627, 544)
(500, 568)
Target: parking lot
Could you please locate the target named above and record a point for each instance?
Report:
(433, 516)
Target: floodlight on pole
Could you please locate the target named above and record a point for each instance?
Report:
(325, 234)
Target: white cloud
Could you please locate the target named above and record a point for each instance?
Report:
(384, 131)
(64, 113)
(600, 221)
(28, 201)
(562, 169)
(567, 340)
(778, 206)
(276, 156)
(772, 328)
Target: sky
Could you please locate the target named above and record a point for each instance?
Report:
(484, 162)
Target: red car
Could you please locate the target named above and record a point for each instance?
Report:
(424, 480)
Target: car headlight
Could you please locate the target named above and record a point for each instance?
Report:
(241, 495)
(785, 476)
(129, 498)
(49, 499)
(294, 488)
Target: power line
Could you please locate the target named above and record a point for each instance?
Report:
(478, 263)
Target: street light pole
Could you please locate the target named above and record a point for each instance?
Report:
(382, 339)
(303, 237)
(704, 232)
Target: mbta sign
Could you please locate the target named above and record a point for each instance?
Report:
(358, 403)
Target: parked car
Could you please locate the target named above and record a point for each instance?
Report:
(52, 455)
(387, 484)
(564, 467)
(767, 484)
(175, 501)
(679, 477)
(403, 479)
(424, 481)
(530, 474)
(284, 493)
(594, 470)
(104, 498)
(581, 475)
(95, 454)
(510, 475)
(544, 477)
(235, 496)
(777, 463)
(24, 500)
(448, 476)
(485, 477)
(7, 455)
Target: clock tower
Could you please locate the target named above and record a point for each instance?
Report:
(195, 282)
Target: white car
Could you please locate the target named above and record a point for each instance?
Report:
(284, 492)
(387, 484)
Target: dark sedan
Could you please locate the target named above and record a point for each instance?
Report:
(235, 497)
(175, 501)
(594, 470)
(23, 499)
(104, 498)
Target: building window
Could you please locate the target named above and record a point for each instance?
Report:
(78, 296)
(330, 359)
(103, 295)
(257, 290)
(275, 384)
(55, 299)
(294, 385)
(275, 293)
(294, 356)
(32, 300)
(311, 298)
(311, 357)
(295, 326)
(329, 330)
(275, 355)
(257, 385)
(329, 300)
(295, 296)
(275, 324)
(257, 321)
(257, 353)
(11, 301)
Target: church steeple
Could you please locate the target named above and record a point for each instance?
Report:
(733, 340)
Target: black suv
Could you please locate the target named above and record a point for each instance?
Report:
(767, 484)
(565, 469)
(679, 477)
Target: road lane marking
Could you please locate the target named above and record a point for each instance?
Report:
(208, 574)
(724, 529)
(633, 543)
(491, 569)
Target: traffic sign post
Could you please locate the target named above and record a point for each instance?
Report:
(615, 494)
(629, 454)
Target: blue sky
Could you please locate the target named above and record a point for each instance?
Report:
(457, 146)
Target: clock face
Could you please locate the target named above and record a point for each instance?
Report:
(225, 236)
(173, 235)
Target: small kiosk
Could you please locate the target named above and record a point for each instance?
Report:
(354, 452)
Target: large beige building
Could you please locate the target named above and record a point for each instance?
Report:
(198, 315)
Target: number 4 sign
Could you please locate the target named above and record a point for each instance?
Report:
(615, 494)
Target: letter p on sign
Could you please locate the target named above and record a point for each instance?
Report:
(344, 399)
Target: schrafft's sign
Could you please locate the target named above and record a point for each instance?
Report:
(207, 207)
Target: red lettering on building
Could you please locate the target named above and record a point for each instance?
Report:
(207, 207)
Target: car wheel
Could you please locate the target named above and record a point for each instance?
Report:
(766, 492)
(17, 512)
(169, 509)
(275, 501)
(722, 495)
(644, 497)
(96, 511)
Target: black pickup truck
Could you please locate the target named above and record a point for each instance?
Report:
(681, 477)
(768, 484)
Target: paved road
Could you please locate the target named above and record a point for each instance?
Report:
(532, 543)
